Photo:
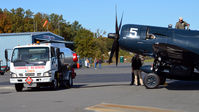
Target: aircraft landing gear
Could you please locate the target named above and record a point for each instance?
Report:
(151, 81)
(157, 76)
(162, 79)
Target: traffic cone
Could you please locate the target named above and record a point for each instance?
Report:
(77, 65)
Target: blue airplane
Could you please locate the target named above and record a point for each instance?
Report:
(175, 51)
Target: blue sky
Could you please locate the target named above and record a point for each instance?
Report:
(100, 14)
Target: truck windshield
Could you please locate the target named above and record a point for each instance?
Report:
(30, 55)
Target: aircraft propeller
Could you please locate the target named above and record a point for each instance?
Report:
(116, 37)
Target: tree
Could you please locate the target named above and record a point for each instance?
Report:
(28, 13)
(38, 22)
(18, 20)
(85, 44)
(73, 30)
(99, 33)
(5, 22)
(101, 51)
(28, 21)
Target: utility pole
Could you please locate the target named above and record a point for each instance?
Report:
(34, 25)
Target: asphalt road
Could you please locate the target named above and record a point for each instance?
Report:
(102, 90)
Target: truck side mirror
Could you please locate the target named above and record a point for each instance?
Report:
(6, 54)
(58, 52)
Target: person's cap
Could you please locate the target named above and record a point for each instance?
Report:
(180, 18)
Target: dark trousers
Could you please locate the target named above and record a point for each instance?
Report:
(132, 78)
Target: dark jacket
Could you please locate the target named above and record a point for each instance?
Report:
(136, 63)
(181, 25)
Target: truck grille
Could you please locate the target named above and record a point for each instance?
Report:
(30, 74)
(20, 74)
(38, 74)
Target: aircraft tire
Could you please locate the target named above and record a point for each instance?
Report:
(19, 87)
(162, 79)
(151, 81)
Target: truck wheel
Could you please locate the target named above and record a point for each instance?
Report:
(19, 87)
(69, 82)
(151, 81)
(54, 84)
(2, 73)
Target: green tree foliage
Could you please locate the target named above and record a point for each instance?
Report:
(18, 20)
(85, 44)
(28, 21)
(101, 50)
(5, 22)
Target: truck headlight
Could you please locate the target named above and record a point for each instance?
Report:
(13, 74)
(47, 74)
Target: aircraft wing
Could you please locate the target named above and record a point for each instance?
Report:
(174, 53)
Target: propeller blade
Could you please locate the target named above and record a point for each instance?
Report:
(117, 43)
(116, 27)
(121, 21)
(116, 36)
(112, 50)
(117, 52)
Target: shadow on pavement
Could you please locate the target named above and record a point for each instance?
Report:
(45, 89)
(183, 85)
(79, 86)
(101, 85)
(41, 89)
(74, 86)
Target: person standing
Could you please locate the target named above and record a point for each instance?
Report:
(100, 63)
(88, 63)
(95, 62)
(136, 64)
(85, 63)
(181, 24)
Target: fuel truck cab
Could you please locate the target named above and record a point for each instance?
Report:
(43, 64)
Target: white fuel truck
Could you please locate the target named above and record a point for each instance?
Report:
(43, 64)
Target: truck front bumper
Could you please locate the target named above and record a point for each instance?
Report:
(34, 80)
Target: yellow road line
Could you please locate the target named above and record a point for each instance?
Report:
(104, 107)
(99, 109)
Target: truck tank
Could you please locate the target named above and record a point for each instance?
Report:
(66, 56)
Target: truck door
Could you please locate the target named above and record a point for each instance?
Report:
(54, 63)
(58, 58)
